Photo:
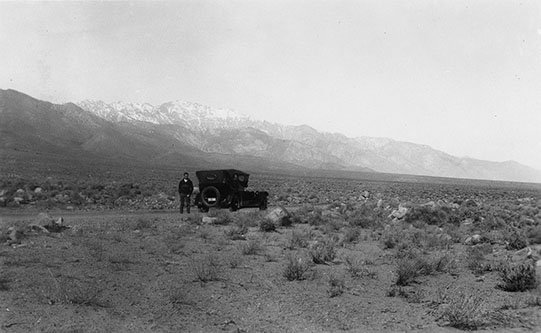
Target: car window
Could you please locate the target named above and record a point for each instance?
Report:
(211, 177)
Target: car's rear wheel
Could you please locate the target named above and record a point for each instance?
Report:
(210, 196)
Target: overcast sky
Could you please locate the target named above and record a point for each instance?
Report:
(461, 76)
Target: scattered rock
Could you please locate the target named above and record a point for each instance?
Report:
(472, 240)
(467, 221)
(522, 255)
(277, 215)
(209, 220)
(331, 214)
(57, 226)
(470, 203)
(38, 190)
(399, 213)
(430, 204)
(365, 195)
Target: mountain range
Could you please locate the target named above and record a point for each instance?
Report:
(187, 134)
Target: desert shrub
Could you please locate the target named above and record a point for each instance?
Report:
(301, 215)
(430, 215)
(234, 260)
(315, 218)
(444, 263)
(143, 224)
(69, 291)
(88, 294)
(236, 232)
(330, 226)
(392, 237)
(299, 239)
(323, 251)
(533, 300)
(206, 269)
(519, 277)
(407, 270)
(365, 216)
(514, 240)
(351, 235)
(250, 247)
(534, 235)
(464, 311)
(266, 225)
(286, 221)
(413, 264)
(475, 260)
(357, 268)
(492, 222)
(296, 268)
(178, 296)
(336, 286)
(4, 283)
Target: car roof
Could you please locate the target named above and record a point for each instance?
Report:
(219, 174)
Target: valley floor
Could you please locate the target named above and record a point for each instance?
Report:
(163, 272)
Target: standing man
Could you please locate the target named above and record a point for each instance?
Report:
(185, 189)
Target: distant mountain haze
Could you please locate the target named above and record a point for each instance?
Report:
(182, 133)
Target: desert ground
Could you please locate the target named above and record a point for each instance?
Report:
(328, 255)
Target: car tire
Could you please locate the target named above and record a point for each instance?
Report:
(213, 192)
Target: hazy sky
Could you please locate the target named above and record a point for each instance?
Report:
(461, 76)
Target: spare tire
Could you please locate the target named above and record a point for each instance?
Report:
(210, 196)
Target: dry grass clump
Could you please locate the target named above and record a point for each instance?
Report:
(237, 232)
(366, 215)
(234, 259)
(406, 236)
(464, 311)
(414, 264)
(357, 268)
(515, 240)
(337, 286)
(207, 268)
(296, 268)
(475, 261)
(323, 251)
(432, 215)
(69, 291)
(266, 225)
(351, 235)
(4, 283)
(519, 277)
(300, 238)
(534, 235)
(250, 247)
(144, 224)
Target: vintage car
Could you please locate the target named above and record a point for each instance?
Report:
(226, 189)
